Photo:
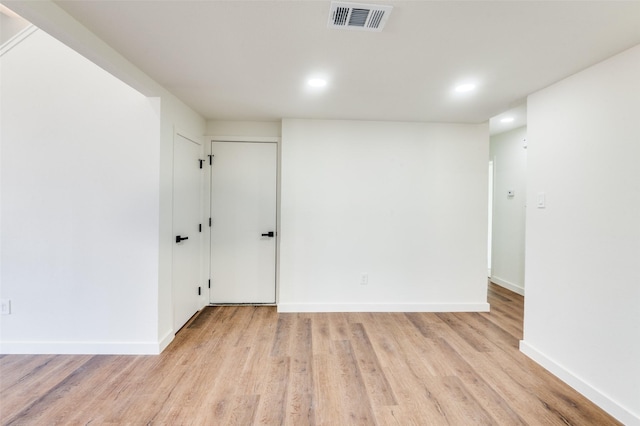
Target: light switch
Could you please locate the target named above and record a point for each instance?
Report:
(5, 306)
(541, 200)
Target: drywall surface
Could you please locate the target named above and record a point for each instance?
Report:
(404, 204)
(80, 200)
(244, 128)
(509, 200)
(10, 25)
(175, 116)
(582, 308)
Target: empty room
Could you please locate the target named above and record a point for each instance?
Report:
(319, 212)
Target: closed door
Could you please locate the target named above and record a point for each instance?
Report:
(186, 239)
(243, 228)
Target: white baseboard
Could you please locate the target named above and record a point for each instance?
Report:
(166, 340)
(383, 307)
(508, 285)
(82, 348)
(594, 395)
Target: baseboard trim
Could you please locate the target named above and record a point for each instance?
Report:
(594, 395)
(508, 285)
(81, 348)
(383, 307)
(166, 340)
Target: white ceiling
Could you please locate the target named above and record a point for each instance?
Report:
(249, 60)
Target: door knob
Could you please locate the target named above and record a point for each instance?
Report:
(179, 238)
(269, 234)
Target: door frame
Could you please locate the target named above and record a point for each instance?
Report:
(207, 198)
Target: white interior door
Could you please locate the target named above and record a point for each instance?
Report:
(186, 240)
(243, 212)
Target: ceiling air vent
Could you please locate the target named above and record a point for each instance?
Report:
(356, 16)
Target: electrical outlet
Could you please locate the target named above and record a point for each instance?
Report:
(5, 306)
(364, 279)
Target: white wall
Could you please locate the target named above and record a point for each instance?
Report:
(582, 310)
(175, 116)
(510, 167)
(405, 203)
(80, 196)
(10, 25)
(244, 128)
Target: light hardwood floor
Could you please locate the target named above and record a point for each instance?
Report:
(251, 365)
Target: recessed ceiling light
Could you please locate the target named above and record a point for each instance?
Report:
(467, 87)
(507, 120)
(317, 82)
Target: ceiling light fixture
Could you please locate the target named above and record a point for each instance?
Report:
(507, 120)
(464, 88)
(317, 82)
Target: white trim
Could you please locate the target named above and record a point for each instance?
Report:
(166, 340)
(17, 39)
(621, 413)
(508, 285)
(490, 218)
(271, 139)
(383, 307)
(81, 348)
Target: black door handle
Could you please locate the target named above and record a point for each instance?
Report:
(269, 234)
(179, 238)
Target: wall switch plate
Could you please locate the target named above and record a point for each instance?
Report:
(364, 279)
(541, 200)
(5, 306)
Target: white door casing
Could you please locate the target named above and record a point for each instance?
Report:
(187, 217)
(243, 207)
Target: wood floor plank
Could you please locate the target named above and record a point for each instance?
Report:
(350, 385)
(20, 369)
(242, 411)
(378, 388)
(50, 407)
(320, 333)
(420, 352)
(22, 389)
(282, 338)
(300, 401)
(273, 399)
(327, 402)
(479, 388)
(465, 332)
(339, 326)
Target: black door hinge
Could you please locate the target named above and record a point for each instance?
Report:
(201, 161)
(209, 222)
(209, 283)
(211, 159)
(199, 227)
(199, 291)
